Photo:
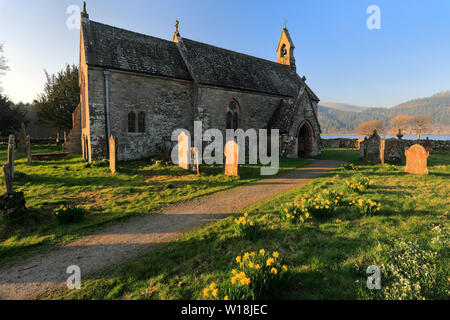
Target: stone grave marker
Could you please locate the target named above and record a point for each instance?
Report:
(10, 155)
(416, 160)
(22, 144)
(183, 151)
(370, 148)
(195, 165)
(231, 159)
(394, 151)
(28, 149)
(113, 154)
(427, 145)
(358, 143)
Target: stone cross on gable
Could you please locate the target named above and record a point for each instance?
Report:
(285, 23)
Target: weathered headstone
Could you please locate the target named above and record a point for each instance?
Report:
(370, 148)
(28, 149)
(10, 155)
(12, 204)
(183, 151)
(112, 154)
(427, 145)
(195, 165)
(358, 143)
(22, 144)
(9, 178)
(394, 151)
(167, 145)
(416, 160)
(231, 159)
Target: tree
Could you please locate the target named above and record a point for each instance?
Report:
(368, 127)
(420, 124)
(3, 65)
(11, 118)
(400, 122)
(60, 98)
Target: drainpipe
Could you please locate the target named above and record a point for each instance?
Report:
(107, 74)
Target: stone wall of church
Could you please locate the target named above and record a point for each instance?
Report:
(256, 110)
(165, 102)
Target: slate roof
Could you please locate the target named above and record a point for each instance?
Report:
(225, 68)
(115, 48)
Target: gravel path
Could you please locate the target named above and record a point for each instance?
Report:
(119, 243)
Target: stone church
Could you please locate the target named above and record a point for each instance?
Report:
(140, 89)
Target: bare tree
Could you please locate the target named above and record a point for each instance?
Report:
(421, 124)
(368, 127)
(400, 122)
(3, 66)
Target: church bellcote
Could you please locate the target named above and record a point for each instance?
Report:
(285, 50)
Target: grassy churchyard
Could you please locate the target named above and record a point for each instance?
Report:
(313, 242)
(137, 189)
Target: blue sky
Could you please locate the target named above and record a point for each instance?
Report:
(343, 60)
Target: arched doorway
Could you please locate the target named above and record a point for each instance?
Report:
(305, 139)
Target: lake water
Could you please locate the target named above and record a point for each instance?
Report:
(406, 137)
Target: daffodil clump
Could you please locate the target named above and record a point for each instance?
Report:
(257, 277)
(367, 208)
(98, 164)
(336, 198)
(358, 183)
(246, 227)
(320, 206)
(350, 166)
(295, 212)
(66, 215)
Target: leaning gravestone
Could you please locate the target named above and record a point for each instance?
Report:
(370, 148)
(22, 145)
(416, 160)
(195, 165)
(112, 154)
(183, 151)
(231, 159)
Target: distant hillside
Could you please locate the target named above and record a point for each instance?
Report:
(336, 120)
(342, 106)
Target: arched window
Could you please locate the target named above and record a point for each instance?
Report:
(131, 122)
(141, 122)
(232, 116)
(283, 51)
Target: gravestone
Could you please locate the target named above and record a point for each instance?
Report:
(183, 151)
(231, 159)
(167, 146)
(195, 165)
(394, 151)
(358, 143)
(28, 149)
(427, 145)
(416, 160)
(22, 144)
(113, 154)
(10, 154)
(371, 147)
(65, 137)
(12, 204)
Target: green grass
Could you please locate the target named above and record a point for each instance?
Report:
(326, 259)
(137, 189)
